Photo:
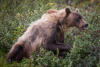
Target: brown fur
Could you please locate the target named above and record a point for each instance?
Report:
(47, 32)
(52, 11)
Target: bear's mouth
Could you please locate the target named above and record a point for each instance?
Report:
(84, 28)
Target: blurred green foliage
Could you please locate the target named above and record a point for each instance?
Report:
(16, 15)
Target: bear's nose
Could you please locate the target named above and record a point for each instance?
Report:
(86, 25)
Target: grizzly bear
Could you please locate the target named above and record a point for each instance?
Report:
(47, 32)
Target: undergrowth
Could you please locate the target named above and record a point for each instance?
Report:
(15, 17)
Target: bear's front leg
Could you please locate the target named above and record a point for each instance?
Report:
(59, 46)
(55, 41)
(60, 37)
(62, 47)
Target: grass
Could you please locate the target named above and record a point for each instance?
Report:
(15, 17)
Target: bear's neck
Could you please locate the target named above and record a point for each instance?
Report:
(62, 26)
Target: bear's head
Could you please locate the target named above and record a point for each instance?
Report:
(74, 19)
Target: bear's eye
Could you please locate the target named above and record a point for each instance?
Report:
(79, 17)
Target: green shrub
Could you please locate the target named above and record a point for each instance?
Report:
(15, 17)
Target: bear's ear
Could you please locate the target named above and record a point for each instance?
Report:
(68, 11)
(77, 10)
